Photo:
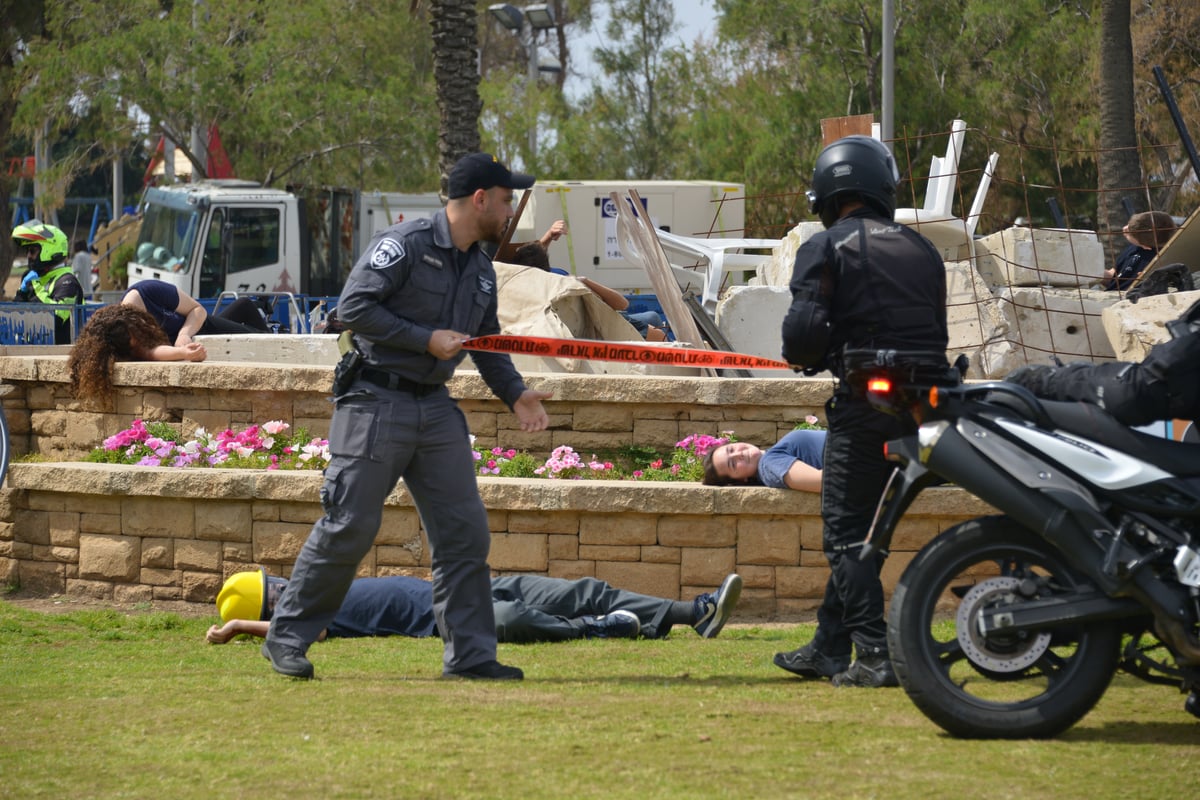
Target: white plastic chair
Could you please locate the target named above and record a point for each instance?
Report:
(935, 219)
(718, 256)
(943, 174)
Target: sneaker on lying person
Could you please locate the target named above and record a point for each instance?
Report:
(618, 624)
(712, 610)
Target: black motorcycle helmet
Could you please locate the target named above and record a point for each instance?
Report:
(856, 165)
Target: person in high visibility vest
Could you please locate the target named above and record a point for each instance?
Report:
(50, 279)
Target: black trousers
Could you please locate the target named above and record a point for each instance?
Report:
(854, 477)
(240, 316)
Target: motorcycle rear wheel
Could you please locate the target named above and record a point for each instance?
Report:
(1000, 685)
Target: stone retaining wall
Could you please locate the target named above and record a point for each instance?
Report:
(138, 534)
(591, 413)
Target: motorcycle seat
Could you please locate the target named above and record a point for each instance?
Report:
(1095, 424)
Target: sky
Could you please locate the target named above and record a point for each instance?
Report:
(694, 17)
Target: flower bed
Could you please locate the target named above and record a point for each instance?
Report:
(271, 446)
(266, 446)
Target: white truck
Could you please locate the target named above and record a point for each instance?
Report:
(237, 236)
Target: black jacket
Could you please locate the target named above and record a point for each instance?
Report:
(866, 282)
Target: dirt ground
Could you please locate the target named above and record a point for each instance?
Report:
(61, 604)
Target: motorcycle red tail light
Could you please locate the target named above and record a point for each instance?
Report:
(933, 397)
(879, 386)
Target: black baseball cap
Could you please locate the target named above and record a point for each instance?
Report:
(483, 171)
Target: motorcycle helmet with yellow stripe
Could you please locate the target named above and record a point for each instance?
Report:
(44, 244)
(249, 595)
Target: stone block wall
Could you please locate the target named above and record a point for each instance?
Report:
(587, 412)
(138, 534)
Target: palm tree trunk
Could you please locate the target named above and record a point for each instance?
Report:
(1118, 163)
(456, 73)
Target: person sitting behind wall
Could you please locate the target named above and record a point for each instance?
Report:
(1146, 233)
(528, 608)
(794, 462)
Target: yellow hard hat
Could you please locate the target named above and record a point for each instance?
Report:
(244, 596)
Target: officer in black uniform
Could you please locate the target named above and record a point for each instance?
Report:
(420, 289)
(865, 282)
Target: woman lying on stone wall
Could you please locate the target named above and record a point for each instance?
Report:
(154, 321)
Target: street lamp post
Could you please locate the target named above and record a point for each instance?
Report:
(539, 17)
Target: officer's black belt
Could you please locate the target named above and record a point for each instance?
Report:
(390, 380)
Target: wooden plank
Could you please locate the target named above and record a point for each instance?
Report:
(710, 330)
(503, 251)
(834, 128)
(638, 241)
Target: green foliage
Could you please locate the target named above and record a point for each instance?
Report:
(522, 465)
(305, 92)
(118, 263)
(302, 91)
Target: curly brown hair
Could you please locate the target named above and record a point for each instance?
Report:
(114, 333)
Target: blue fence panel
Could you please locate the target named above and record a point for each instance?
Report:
(26, 323)
(33, 323)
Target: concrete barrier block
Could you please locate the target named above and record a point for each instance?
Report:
(1133, 328)
(973, 314)
(1040, 257)
(751, 319)
(1043, 322)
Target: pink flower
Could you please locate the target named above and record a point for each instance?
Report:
(275, 426)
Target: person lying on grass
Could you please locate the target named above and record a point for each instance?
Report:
(528, 608)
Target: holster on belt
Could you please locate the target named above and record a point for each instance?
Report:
(348, 367)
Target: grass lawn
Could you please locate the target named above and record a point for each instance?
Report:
(103, 704)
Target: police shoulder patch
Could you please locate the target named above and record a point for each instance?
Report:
(387, 253)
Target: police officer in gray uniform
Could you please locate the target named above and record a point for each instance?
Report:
(420, 290)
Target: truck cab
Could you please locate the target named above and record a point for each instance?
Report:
(218, 236)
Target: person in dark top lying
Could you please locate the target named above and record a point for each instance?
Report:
(154, 321)
(181, 317)
(528, 608)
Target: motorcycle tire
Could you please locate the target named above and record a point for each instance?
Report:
(1002, 685)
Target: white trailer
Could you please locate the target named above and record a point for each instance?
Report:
(590, 248)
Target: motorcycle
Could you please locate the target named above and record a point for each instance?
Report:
(1013, 626)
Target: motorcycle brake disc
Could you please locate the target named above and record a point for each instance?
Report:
(998, 651)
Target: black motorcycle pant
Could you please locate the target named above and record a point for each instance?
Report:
(855, 474)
